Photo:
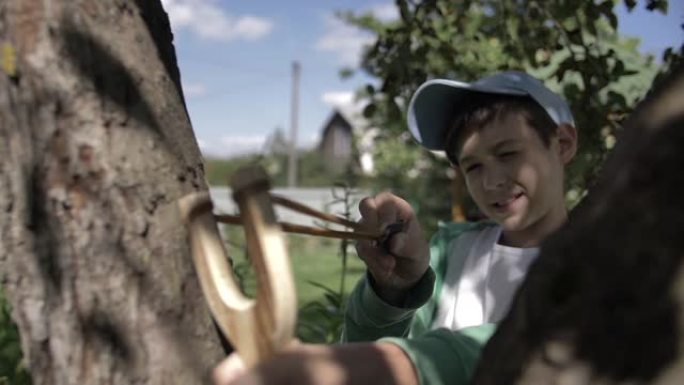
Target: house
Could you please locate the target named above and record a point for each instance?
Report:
(346, 137)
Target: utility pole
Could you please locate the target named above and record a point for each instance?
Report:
(292, 156)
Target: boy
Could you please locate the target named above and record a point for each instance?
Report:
(511, 138)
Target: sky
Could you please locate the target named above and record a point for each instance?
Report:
(236, 58)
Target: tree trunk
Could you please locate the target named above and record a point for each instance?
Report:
(604, 302)
(96, 148)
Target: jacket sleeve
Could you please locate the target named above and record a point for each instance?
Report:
(368, 317)
(443, 356)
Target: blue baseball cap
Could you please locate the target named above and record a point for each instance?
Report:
(436, 102)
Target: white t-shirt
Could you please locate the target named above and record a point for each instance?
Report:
(482, 291)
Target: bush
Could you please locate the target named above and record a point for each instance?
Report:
(12, 368)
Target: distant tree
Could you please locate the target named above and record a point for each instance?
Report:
(276, 143)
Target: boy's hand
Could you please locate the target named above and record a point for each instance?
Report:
(350, 364)
(396, 272)
(229, 370)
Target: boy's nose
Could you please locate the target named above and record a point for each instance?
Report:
(493, 179)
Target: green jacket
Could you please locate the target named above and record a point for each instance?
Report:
(440, 356)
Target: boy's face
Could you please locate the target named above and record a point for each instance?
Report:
(513, 177)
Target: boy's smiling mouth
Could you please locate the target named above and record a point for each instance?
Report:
(504, 204)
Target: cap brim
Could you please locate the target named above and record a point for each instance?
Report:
(436, 103)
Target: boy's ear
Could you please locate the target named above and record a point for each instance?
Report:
(567, 141)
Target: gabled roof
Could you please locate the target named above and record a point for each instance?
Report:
(353, 115)
(361, 129)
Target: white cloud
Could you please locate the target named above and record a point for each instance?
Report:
(252, 27)
(348, 41)
(345, 40)
(191, 90)
(338, 98)
(385, 12)
(310, 141)
(232, 145)
(206, 19)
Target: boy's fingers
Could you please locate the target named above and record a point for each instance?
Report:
(396, 245)
(368, 210)
(392, 209)
(404, 210)
(376, 261)
(388, 213)
(367, 251)
(413, 235)
(229, 370)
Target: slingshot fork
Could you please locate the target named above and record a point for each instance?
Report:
(255, 327)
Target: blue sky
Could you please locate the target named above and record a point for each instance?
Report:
(235, 59)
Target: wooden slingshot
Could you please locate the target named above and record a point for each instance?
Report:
(255, 327)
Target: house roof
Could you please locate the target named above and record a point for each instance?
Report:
(360, 128)
(352, 115)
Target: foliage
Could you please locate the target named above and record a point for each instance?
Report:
(572, 45)
(321, 320)
(12, 368)
(218, 171)
(672, 59)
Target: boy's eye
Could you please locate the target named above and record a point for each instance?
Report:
(507, 154)
(472, 167)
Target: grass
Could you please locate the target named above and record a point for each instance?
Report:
(322, 264)
(314, 261)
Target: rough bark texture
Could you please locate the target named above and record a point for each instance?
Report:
(96, 148)
(604, 303)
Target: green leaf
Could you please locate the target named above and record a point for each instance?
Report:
(607, 10)
(575, 36)
(346, 73)
(617, 99)
(659, 5)
(369, 110)
(630, 4)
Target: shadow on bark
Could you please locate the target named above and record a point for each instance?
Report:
(98, 326)
(108, 75)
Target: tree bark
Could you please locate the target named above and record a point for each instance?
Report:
(604, 302)
(96, 148)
